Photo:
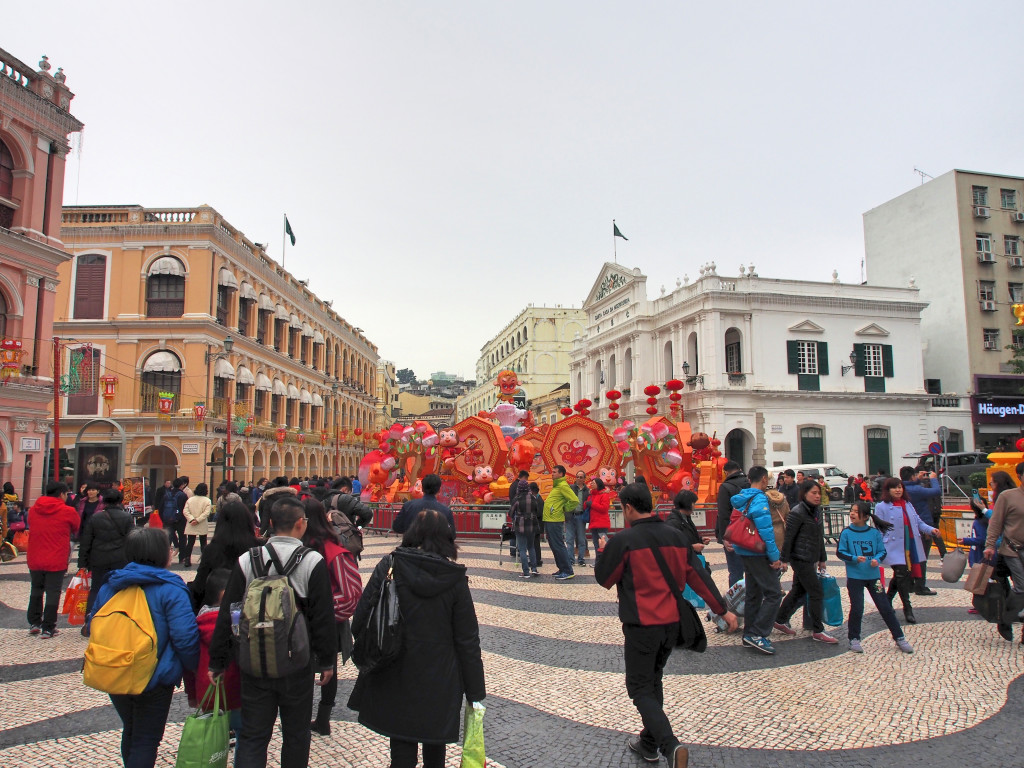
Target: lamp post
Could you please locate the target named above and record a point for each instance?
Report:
(228, 344)
(334, 412)
(853, 364)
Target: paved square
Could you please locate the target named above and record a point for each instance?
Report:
(556, 692)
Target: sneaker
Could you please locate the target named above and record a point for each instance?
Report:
(582, 563)
(46, 634)
(855, 646)
(556, 574)
(524, 575)
(647, 755)
(824, 637)
(562, 576)
(925, 591)
(973, 611)
(763, 644)
(904, 646)
(680, 757)
(534, 573)
(784, 628)
(35, 629)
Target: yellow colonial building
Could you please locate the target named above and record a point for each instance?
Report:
(225, 363)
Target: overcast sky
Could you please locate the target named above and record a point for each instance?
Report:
(443, 164)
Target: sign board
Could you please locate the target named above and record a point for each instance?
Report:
(135, 496)
(942, 433)
(492, 521)
(963, 529)
(98, 463)
(191, 448)
(615, 516)
(31, 444)
(519, 399)
(935, 448)
(997, 410)
(776, 429)
(700, 518)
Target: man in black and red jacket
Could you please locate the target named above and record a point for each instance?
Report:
(649, 612)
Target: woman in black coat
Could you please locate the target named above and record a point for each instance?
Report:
(418, 697)
(102, 543)
(804, 550)
(233, 536)
(679, 518)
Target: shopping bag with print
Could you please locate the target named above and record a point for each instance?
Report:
(977, 578)
(79, 581)
(473, 737)
(76, 616)
(206, 735)
(692, 597)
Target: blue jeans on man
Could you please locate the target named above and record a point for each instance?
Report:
(734, 562)
(556, 540)
(527, 554)
(576, 537)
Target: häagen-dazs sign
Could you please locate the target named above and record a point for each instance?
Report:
(998, 410)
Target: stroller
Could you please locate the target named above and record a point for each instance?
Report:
(507, 534)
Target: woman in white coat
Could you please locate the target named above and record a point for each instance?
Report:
(904, 552)
(197, 512)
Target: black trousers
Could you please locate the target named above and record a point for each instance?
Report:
(901, 582)
(646, 653)
(403, 754)
(805, 582)
(48, 584)
(143, 717)
(190, 542)
(262, 700)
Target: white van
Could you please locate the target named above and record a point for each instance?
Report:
(834, 476)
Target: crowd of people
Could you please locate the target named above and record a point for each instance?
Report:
(306, 534)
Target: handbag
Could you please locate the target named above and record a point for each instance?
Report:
(977, 579)
(832, 605)
(379, 642)
(692, 597)
(206, 735)
(20, 540)
(691, 630)
(473, 737)
(953, 565)
(80, 581)
(991, 603)
(742, 532)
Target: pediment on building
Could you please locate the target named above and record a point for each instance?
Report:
(872, 330)
(806, 326)
(612, 279)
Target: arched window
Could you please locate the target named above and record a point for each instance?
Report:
(6, 172)
(90, 286)
(3, 315)
(160, 373)
(669, 368)
(733, 351)
(165, 288)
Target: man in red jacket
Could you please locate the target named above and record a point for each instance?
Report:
(52, 523)
(649, 612)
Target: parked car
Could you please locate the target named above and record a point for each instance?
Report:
(835, 478)
(959, 466)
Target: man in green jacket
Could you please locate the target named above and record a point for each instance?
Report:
(559, 501)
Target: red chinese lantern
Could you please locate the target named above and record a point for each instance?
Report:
(249, 421)
(566, 411)
(358, 431)
(652, 410)
(652, 401)
(199, 412)
(613, 415)
(280, 435)
(585, 403)
(613, 394)
(166, 404)
(323, 438)
(673, 384)
(302, 438)
(652, 390)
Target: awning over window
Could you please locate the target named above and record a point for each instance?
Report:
(246, 292)
(162, 362)
(318, 338)
(222, 369)
(227, 280)
(279, 388)
(318, 401)
(167, 265)
(293, 392)
(244, 376)
(266, 305)
(262, 382)
(296, 325)
(280, 313)
(307, 329)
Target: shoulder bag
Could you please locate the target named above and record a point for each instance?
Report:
(742, 532)
(691, 631)
(379, 642)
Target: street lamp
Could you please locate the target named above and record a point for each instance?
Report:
(853, 364)
(228, 344)
(334, 395)
(696, 379)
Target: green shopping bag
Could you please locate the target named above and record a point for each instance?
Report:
(205, 737)
(473, 737)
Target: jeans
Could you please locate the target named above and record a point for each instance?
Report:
(48, 583)
(556, 540)
(403, 754)
(734, 563)
(855, 589)
(524, 545)
(763, 596)
(646, 651)
(1016, 567)
(262, 699)
(144, 717)
(596, 534)
(576, 537)
(805, 582)
(190, 542)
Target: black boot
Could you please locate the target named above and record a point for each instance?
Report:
(921, 589)
(908, 615)
(322, 724)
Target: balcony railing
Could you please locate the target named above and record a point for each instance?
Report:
(737, 379)
(945, 402)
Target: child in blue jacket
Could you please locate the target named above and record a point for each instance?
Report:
(862, 549)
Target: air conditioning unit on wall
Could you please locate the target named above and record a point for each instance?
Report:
(985, 257)
(988, 306)
(982, 211)
(1018, 217)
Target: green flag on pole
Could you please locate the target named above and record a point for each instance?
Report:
(615, 233)
(288, 229)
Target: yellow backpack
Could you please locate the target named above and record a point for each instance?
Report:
(122, 651)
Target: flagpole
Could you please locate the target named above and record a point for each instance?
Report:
(284, 236)
(615, 250)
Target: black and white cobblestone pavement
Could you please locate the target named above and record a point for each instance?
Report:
(556, 693)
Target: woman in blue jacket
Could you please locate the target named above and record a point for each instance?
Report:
(904, 552)
(148, 552)
(862, 549)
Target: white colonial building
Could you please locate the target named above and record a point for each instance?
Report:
(784, 371)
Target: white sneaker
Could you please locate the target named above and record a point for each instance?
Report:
(855, 646)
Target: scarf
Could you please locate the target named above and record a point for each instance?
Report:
(912, 559)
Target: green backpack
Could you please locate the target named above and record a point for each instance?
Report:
(273, 635)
